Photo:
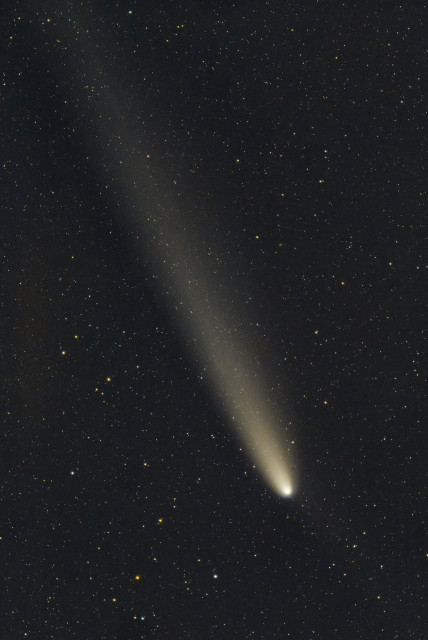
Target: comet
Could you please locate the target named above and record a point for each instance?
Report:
(215, 328)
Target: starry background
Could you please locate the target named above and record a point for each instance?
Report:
(289, 137)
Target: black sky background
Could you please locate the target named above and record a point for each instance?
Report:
(290, 139)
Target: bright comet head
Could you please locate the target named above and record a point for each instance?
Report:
(287, 490)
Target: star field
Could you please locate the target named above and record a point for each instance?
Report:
(212, 255)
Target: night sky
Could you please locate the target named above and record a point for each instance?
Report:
(212, 251)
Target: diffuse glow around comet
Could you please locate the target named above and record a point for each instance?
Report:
(156, 217)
